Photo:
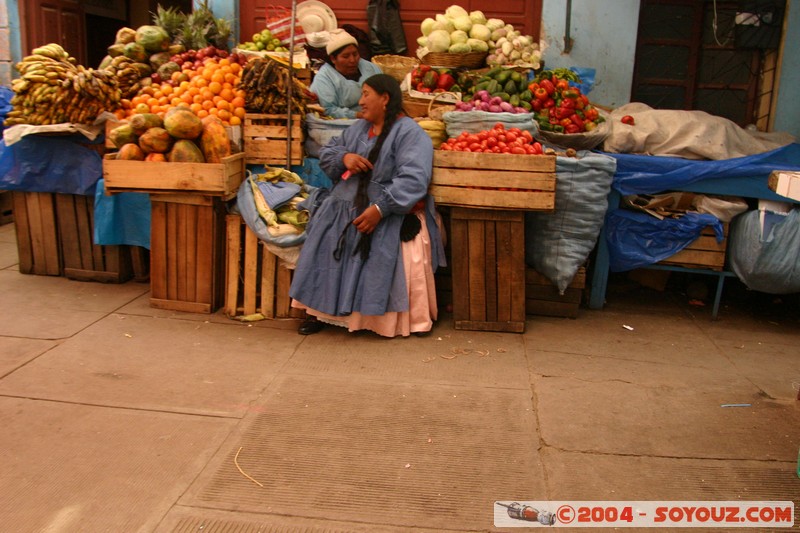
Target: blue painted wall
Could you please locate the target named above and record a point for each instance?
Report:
(604, 38)
(787, 116)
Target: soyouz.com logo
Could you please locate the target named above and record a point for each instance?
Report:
(669, 514)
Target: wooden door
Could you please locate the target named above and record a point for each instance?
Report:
(525, 15)
(55, 21)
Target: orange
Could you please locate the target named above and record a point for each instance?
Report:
(208, 105)
(237, 101)
(202, 113)
(235, 121)
(142, 108)
(222, 104)
(224, 62)
(207, 94)
(215, 87)
(224, 114)
(231, 78)
(196, 107)
(239, 112)
(199, 81)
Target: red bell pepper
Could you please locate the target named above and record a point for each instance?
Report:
(548, 86)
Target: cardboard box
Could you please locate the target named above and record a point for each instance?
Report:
(785, 183)
(208, 179)
(494, 181)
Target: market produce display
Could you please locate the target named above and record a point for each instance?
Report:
(498, 90)
(180, 137)
(428, 79)
(285, 219)
(263, 41)
(560, 107)
(457, 31)
(498, 140)
(265, 82)
(196, 30)
(435, 130)
(54, 89)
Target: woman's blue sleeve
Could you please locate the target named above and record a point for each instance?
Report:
(327, 88)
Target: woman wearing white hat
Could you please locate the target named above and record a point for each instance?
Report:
(338, 83)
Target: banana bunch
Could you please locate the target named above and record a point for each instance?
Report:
(123, 69)
(435, 130)
(265, 82)
(53, 89)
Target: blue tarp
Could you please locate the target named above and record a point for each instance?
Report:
(58, 164)
(644, 174)
(122, 218)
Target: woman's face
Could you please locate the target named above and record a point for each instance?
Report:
(373, 105)
(346, 61)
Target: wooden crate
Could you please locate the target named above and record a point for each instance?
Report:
(266, 138)
(542, 297)
(703, 252)
(82, 259)
(187, 252)
(6, 208)
(211, 179)
(256, 281)
(37, 233)
(501, 181)
(488, 269)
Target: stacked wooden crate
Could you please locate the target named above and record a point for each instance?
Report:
(267, 139)
(703, 252)
(488, 195)
(256, 281)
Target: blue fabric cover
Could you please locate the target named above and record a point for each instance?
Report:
(60, 164)
(121, 218)
(400, 179)
(644, 174)
(637, 239)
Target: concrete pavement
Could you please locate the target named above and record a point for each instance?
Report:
(119, 417)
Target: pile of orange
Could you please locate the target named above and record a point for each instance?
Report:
(211, 90)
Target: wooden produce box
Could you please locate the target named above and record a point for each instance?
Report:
(37, 233)
(266, 138)
(6, 208)
(542, 297)
(703, 252)
(488, 268)
(500, 181)
(82, 259)
(187, 252)
(256, 281)
(211, 179)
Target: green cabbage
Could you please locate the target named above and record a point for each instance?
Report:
(439, 41)
(462, 23)
(476, 45)
(455, 11)
(458, 36)
(479, 31)
(477, 17)
(459, 48)
(427, 26)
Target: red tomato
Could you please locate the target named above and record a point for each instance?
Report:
(472, 139)
(511, 136)
(499, 126)
(475, 147)
(627, 119)
(483, 135)
(491, 141)
(517, 150)
(527, 135)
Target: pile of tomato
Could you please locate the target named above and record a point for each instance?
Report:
(562, 108)
(497, 140)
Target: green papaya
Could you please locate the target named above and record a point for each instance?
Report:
(514, 100)
(502, 76)
(510, 87)
(525, 96)
(493, 87)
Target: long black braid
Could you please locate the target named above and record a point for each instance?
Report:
(381, 84)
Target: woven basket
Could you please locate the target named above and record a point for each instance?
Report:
(426, 107)
(395, 66)
(446, 59)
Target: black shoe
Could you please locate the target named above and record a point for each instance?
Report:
(310, 326)
(422, 333)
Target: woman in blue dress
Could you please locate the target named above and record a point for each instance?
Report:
(373, 242)
(338, 83)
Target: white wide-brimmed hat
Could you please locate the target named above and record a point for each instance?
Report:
(315, 16)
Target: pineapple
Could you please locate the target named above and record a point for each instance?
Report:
(171, 19)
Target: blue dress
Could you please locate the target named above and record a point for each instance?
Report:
(400, 179)
(338, 95)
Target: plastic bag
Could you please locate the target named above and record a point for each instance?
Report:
(558, 243)
(636, 239)
(323, 130)
(587, 75)
(768, 263)
(279, 23)
(476, 121)
(247, 208)
(122, 218)
(386, 27)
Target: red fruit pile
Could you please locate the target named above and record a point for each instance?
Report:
(497, 140)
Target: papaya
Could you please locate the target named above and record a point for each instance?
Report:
(185, 151)
(155, 140)
(130, 152)
(156, 60)
(156, 157)
(166, 70)
(125, 36)
(141, 122)
(136, 52)
(182, 123)
(116, 50)
(121, 135)
(153, 38)
(214, 142)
